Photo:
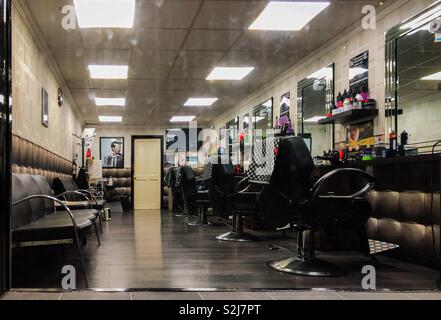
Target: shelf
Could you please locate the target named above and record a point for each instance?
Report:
(351, 116)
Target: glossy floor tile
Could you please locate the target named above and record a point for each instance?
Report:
(155, 250)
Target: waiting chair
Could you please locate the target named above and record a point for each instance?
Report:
(34, 223)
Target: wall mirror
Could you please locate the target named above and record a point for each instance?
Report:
(263, 117)
(413, 87)
(315, 98)
(233, 140)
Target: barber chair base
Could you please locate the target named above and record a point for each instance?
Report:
(201, 220)
(181, 214)
(313, 267)
(237, 237)
(198, 222)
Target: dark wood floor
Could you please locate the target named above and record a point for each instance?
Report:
(153, 250)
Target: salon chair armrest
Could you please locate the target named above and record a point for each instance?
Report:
(315, 193)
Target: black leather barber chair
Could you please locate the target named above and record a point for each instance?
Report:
(241, 199)
(198, 195)
(291, 198)
(174, 182)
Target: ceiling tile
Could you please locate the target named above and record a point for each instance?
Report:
(217, 40)
(198, 58)
(74, 71)
(117, 39)
(79, 83)
(258, 58)
(228, 14)
(58, 38)
(136, 84)
(69, 56)
(270, 41)
(110, 84)
(103, 56)
(184, 73)
(159, 39)
(153, 58)
(155, 73)
(171, 14)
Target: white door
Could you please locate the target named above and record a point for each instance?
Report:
(147, 174)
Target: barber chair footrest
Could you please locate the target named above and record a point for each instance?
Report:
(376, 247)
(313, 267)
(237, 237)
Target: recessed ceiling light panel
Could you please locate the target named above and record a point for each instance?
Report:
(182, 118)
(287, 16)
(113, 102)
(108, 72)
(110, 119)
(229, 73)
(200, 102)
(105, 13)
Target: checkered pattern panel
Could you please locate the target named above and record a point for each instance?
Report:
(263, 159)
(376, 247)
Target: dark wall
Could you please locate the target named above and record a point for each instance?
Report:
(5, 140)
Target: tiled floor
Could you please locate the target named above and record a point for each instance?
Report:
(155, 250)
(270, 295)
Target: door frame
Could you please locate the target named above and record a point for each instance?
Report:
(5, 144)
(146, 137)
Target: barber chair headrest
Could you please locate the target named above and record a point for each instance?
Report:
(293, 168)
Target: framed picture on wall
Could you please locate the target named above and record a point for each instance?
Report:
(112, 152)
(44, 108)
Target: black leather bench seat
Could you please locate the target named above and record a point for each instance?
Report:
(55, 221)
(90, 214)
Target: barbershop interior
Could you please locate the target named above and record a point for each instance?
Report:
(220, 145)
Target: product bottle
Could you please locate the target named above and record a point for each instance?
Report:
(110, 183)
(393, 141)
(404, 138)
(364, 92)
(339, 101)
(345, 95)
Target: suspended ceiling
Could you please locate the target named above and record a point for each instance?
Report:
(173, 47)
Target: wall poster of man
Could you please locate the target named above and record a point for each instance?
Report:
(112, 152)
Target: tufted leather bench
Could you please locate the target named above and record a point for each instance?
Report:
(122, 183)
(405, 218)
(29, 158)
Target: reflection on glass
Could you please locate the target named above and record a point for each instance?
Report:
(419, 90)
(315, 98)
(233, 140)
(263, 117)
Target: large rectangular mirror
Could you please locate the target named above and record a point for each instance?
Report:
(414, 80)
(315, 99)
(233, 140)
(263, 117)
